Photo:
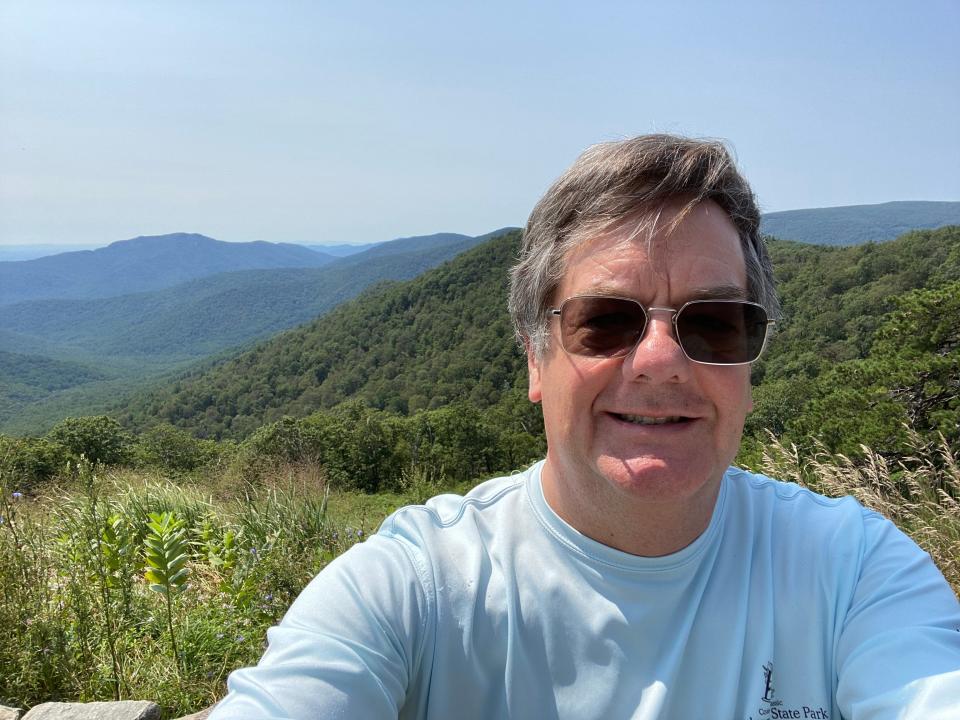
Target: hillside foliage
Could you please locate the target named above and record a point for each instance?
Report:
(114, 344)
(441, 338)
(831, 369)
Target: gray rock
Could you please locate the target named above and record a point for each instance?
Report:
(9, 713)
(202, 715)
(123, 710)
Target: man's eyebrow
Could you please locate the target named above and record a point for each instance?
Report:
(606, 290)
(712, 292)
(718, 292)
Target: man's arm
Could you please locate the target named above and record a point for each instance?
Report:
(347, 648)
(898, 655)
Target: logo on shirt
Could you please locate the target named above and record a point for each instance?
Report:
(772, 708)
(768, 685)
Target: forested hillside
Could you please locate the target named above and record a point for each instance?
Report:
(125, 340)
(446, 337)
(425, 343)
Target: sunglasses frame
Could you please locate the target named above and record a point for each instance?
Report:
(674, 314)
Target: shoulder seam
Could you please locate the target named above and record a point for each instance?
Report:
(465, 502)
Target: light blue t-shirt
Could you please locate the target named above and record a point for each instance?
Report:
(789, 605)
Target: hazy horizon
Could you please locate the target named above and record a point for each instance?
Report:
(311, 124)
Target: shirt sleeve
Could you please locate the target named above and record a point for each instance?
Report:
(898, 655)
(348, 646)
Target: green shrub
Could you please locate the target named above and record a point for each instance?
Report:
(30, 461)
(174, 450)
(353, 445)
(100, 439)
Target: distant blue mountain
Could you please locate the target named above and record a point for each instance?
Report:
(141, 264)
(9, 253)
(342, 250)
(857, 224)
(209, 314)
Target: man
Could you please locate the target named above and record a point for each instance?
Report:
(632, 573)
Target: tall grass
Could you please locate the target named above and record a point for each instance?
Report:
(919, 492)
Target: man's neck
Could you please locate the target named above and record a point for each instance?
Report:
(647, 527)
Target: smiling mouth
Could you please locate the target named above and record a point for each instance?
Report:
(648, 420)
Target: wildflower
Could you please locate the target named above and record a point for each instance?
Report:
(269, 597)
(17, 495)
(239, 638)
(359, 533)
(253, 551)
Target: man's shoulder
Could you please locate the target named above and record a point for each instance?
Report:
(493, 502)
(767, 490)
(791, 510)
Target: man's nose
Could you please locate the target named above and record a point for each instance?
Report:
(658, 356)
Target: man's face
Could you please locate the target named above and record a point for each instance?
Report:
(602, 454)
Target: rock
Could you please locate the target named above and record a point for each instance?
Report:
(9, 713)
(123, 710)
(202, 715)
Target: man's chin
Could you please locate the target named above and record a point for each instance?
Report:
(653, 477)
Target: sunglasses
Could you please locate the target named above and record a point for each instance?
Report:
(712, 332)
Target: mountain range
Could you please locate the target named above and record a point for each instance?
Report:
(125, 340)
(445, 337)
(81, 329)
(207, 315)
(856, 224)
(141, 264)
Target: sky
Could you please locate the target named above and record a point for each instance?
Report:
(321, 122)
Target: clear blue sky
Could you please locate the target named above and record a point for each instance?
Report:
(323, 122)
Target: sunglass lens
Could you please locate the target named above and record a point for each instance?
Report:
(600, 327)
(722, 332)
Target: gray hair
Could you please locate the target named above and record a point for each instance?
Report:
(612, 182)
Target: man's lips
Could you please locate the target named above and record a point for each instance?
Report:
(639, 419)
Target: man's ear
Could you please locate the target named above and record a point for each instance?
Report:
(533, 372)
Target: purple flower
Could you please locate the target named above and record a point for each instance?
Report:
(359, 533)
(253, 551)
(17, 495)
(239, 638)
(269, 597)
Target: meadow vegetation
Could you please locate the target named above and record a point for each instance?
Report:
(120, 583)
(156, 575)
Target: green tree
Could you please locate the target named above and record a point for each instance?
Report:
(172, 449)
(911, 377)
(99, 438)
(31, 460)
